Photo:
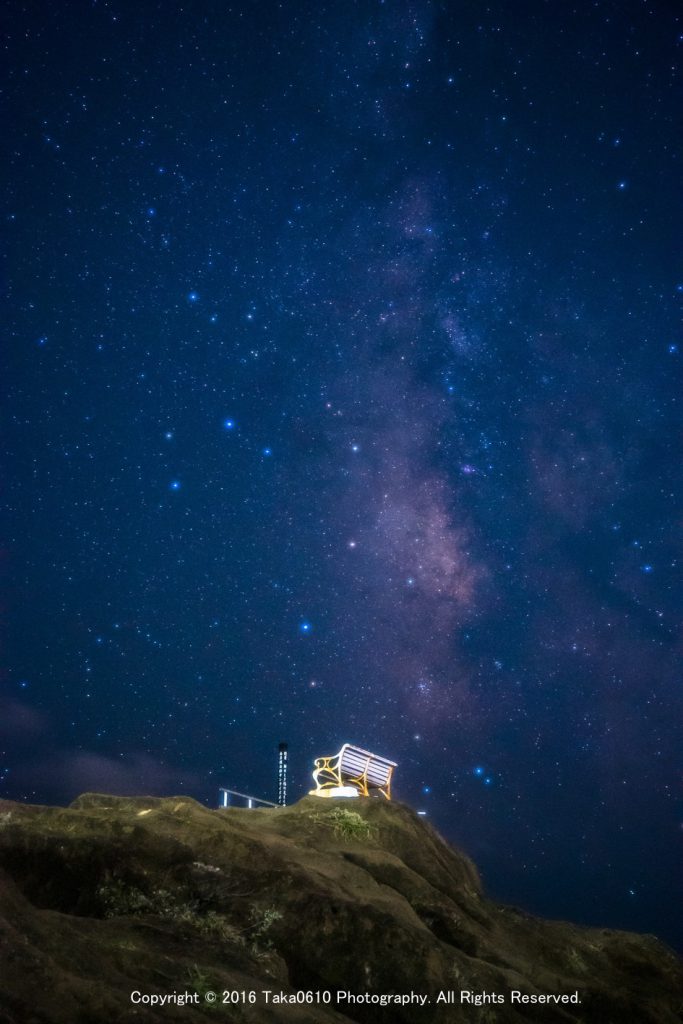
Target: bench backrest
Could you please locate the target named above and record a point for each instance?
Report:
(355, 761)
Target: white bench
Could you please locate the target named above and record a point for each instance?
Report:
(356, 767)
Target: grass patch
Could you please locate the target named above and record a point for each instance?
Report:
(347, 824)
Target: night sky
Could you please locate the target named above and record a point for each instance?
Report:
(342, 368)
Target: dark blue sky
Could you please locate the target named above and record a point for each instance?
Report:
(342, 367)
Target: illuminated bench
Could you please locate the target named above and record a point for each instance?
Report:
(353, 768)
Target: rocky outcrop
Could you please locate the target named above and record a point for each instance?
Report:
(119, 909)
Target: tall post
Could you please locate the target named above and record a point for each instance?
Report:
(282, 775)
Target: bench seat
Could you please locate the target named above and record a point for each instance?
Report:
(353, 766)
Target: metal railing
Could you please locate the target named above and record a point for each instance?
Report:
(225, 795)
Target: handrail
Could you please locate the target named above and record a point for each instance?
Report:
(245, 796)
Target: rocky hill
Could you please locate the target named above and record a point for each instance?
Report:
(118, 909)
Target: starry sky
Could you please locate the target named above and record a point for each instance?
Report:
(342, 361)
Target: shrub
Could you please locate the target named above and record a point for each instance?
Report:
(121, 900)
(262, 920)
(350, 824)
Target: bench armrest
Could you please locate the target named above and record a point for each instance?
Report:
(327, 772)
